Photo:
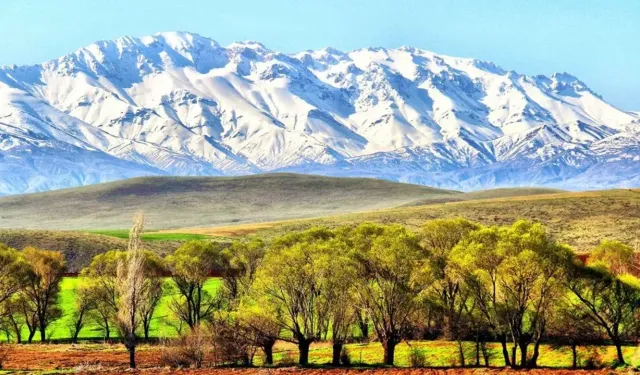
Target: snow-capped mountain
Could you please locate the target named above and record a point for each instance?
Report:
(181, 104)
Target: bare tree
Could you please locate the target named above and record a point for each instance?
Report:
(131, 283)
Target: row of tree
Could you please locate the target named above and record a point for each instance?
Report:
(452, 279)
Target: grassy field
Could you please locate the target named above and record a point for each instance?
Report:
(173, 202)
(580, 220)
(159, 326)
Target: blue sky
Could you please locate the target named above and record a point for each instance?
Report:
(596, 40)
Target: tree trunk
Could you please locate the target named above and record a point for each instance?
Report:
(477, 349)
(523, 354)
(533, 362)
(132, 356)
(514, 350)
(574, 353)
(337, 349)
(389, 352)
(447, 329)
(363, 325)
(31, 334)
(461, 353)
(146, 327)
(619, 352)
(43, 334)
(16, 330)
(485, 353)
(505, 351)
(268, 353)
(107, 330)
(303, 347)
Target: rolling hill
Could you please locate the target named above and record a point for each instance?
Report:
(172, 202)
(578, 219)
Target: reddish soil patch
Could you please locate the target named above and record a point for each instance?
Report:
(52, 357)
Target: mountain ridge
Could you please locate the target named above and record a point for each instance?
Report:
(178, 103)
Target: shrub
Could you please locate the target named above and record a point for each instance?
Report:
(189, 350)
(231, 343)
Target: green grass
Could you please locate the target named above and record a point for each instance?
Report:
(162, 324)
(445, 354)
(151, 236)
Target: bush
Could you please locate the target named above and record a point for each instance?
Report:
(231, 344)
(417, 358)
(189, 350)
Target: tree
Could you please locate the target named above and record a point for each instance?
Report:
(339, 283)
(154, 267)
(42, 285)
(99, 282)
(191, 266)
(241, 262)
(292, 281)
(132, 288)
(606, 294)
(14, 270)
(83, 304)
(257, 325)
(514, 274)
(572, 327)
(446, 292)
(386, 259)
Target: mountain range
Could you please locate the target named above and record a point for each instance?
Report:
(179, 103)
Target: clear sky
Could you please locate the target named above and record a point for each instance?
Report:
(596, 40)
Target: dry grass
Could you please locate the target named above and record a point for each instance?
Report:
(580, 220)
(78, 247)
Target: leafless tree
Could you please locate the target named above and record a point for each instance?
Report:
(131, 285)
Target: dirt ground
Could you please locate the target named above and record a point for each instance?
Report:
(113, 359)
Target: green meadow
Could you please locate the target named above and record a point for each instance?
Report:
(163, 324)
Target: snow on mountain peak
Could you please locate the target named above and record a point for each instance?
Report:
(179, 103)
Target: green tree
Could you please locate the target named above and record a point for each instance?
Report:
(241, 262)
(386, 259)
(255, 324)
(99, 283)
(446, 292)
(606, 294)
(294, 280)
(42, 285)
(191, 266)
(14, 271)
(514, 274)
